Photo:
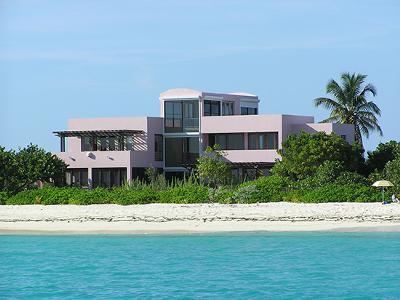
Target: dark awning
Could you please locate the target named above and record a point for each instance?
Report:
(97, 133)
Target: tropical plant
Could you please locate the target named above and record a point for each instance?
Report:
(212, 168)
(20, 170)
(303, 153)
(384, 153)
(351, 106)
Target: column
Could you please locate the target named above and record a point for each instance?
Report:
(90, 178)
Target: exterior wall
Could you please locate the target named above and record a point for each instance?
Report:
(345, 129)
(289, 122)
(143, 154)
(339, 129)
(252, 156)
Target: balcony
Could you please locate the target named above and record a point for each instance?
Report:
(96, 159)
(252, 156)
(239, 123)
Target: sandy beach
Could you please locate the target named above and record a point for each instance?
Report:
(198, 218)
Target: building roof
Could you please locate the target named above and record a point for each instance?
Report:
(185, 93)
(243, 94)
(180, 93)
(98, 133)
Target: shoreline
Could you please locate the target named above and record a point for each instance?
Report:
(198, 218)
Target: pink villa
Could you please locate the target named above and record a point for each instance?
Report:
(110, 151)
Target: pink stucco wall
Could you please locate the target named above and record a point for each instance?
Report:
(141, 156)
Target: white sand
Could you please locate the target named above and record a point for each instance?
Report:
(191, 218)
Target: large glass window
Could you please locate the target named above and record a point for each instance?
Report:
(212, 108)
(158, 147)
(227, 108)
(190, 116)
(108, 177)
(180, 152)
(173, 116)
(227, 141)
(181, 116)
(76, 177)
(248, 111)
(88, 143)
(263, 140)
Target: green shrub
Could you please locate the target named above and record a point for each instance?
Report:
(125, 196)
(95, 196)
(342, 193)
(294, 195)
(222, 194)
(351, 178)
(246, 194)
(3, 197)
(268, 188)
(45, 196)
(327, 172)
(392, 173)
(187, 192)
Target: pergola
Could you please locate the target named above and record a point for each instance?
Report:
(94, 133)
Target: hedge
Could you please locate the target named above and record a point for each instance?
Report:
(266, 189)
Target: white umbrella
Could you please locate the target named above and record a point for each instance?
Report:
(382, 184)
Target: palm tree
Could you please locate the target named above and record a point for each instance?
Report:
(350, 105)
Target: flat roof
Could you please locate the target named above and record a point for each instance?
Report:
(99, 133)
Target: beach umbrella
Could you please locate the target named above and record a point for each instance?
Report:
(382, 184)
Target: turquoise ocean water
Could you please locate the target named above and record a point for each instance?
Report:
(235, 266)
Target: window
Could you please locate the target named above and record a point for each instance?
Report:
(263, 140)
(248, 111)
(212, 108)
(173, 116)
(190, 116)
(121, 143)
(228, 141)
(180, 152)
(158, 147)
(88, 143)
(227, 108)
(181, 116)
(77, 177)
(108, 177)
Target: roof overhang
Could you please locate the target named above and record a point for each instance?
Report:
(97, 133)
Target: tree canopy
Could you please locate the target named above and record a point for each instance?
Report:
(303, 153)
(384, 153)
(350, 105)
(20, 170)
(212, 168)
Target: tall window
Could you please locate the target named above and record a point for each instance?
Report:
(190, 116)
(88, 143)
(76, 177)
(263, 140)
(227, 108)
(173, 116)
(180, 152)
(228, 141)
(181, 116)
(212, 108)
(108, 177)
(248, 111)
(158, 147)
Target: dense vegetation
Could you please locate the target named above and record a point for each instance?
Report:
(23, 169)
(333, 171)
(351, 106)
